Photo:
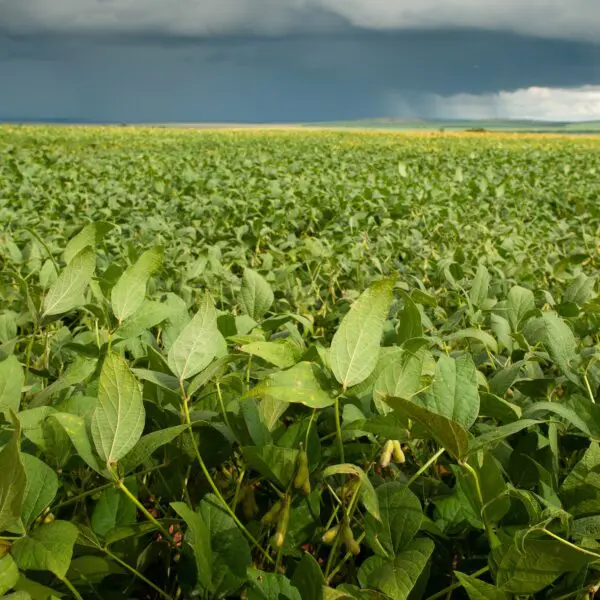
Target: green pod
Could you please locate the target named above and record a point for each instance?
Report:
(386, 455)
(350, 543)
(330, 535)
(302, 473)
(270, 517)
(249, 506)
(282, 524)
(398, 453)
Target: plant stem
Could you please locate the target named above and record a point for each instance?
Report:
(456, 585)
(71, 588)
(426, 466)
(338, 429)
(222, 405)
(569, 544)
(135, 572)
(491, 535)
(121, 485)
(214, 487)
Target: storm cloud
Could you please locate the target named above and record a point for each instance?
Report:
(298, 60)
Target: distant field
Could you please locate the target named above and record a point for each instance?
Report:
(298, 364)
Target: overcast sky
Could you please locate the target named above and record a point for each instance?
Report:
(298, 60)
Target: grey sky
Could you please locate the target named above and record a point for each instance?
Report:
(296, 60)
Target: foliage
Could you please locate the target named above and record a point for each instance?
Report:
(287, 366)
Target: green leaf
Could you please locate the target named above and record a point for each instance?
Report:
(198, 343)
(75, 427)
(446, 432)
(308, 578)
(9, 574)
(475, 334)
(198, 536)
(89, 236)
(66, 293)
(230, 551)
(275, 463)
(77, 372)
(453, 393)
(13, 479)
(163, 380)
(282, 355)
(480, 590)
(397, 577)
(560, 342)
(536, 565)
(148, 444)
(580, 290)
(300, 385)
(12, 379)
(499, 433)
(272, 586)
(118, 420)
(257, 295)
(401, 517)
(113, 509)
(368, 495)
(41, 488)
(410, 321)
(355, 346)
(520, 301)
(47, 548)
(129, 292)
(149, 314)
(480, 286)
(402, 377)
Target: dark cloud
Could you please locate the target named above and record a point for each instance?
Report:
(345, 64)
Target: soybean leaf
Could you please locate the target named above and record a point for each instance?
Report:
(275, 463)
(401, 517)
(198, 537)
(197, 344)
(397, 577)
(577, 410)
(75, 427)
(446, 432)
(479, 590)
(148, 315)
(535, 565)
(113, 509)
(480, 286)
(475, 334)
(410, 321)
(257, 295)
(453, 393)
(47, 548)
(9, 574)
(499, 433)
(520, 301)
(300, 384)
(148, 444)
(118, 420)
(13, 479)
(354, 349)
(282, 355)
(12, 379)
(308, 578)
(560, 343)
(272, 586)
(41, 488)
(129, 292)
(231, 556)
(66, 293)
(402, 376)
(90, 235)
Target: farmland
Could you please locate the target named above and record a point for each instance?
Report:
(298, 365)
